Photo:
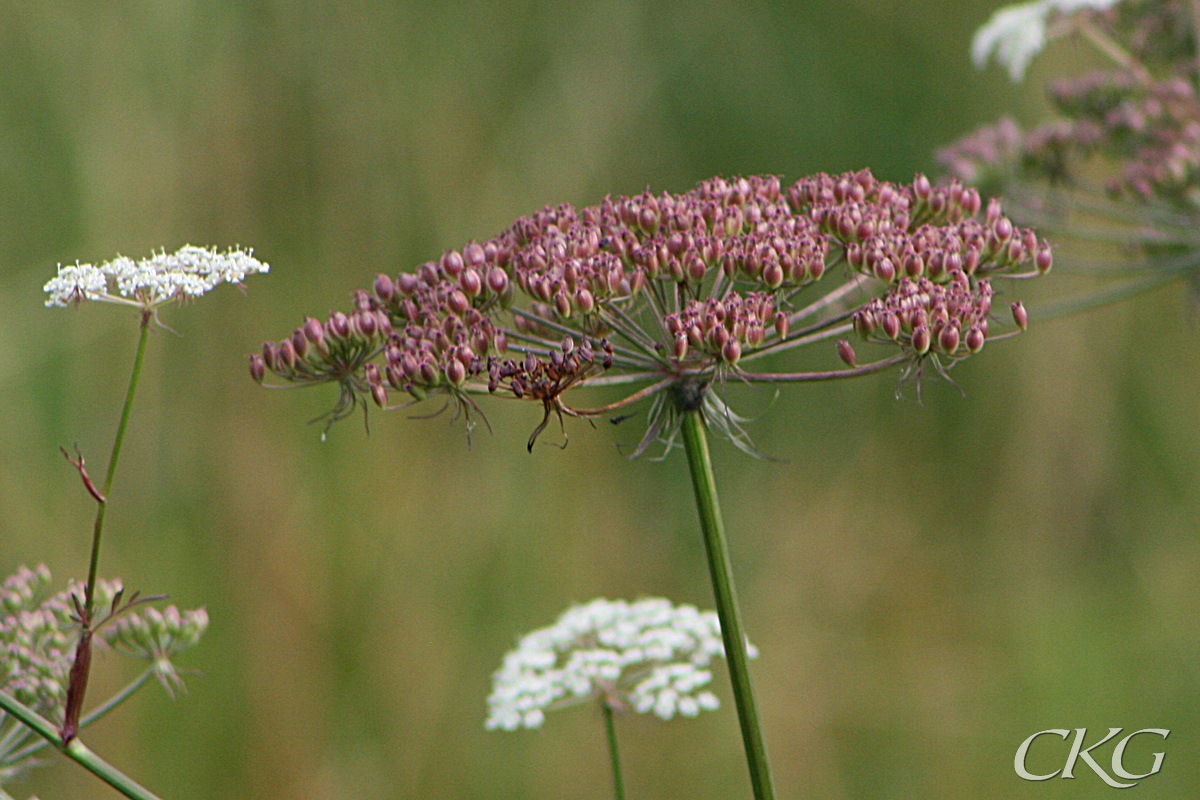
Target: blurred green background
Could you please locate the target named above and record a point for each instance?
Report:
(928, 584)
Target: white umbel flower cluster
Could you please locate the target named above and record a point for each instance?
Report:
(183, 275)
(1017, 33)
(649, 655)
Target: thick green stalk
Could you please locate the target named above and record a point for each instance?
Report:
(102, 502)
(695, 441)
(76, 750)
(613, 754)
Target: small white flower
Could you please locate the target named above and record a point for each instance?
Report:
(152, 282)
(1017, 33)
(649, 655)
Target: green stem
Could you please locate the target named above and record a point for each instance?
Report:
(102, 505)
(97, 713)
(613, 754)
(705, 487)
(76, 750)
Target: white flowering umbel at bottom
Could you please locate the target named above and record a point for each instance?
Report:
(646, 656)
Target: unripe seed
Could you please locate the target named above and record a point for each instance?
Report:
(948, 339)
(921, 339)
(470, 282)
(452, 263)
(384, 287)
(974, 340)
(257, 368)
(847, 353)
(1020, 315)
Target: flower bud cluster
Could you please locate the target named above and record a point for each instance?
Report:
(649, 655)
(724, 328)
(924, 317)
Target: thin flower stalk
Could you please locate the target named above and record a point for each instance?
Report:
(614, 752)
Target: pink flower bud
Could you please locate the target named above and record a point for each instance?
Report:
(299, 342)
(379, 395)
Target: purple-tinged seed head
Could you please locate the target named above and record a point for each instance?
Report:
(731, 351)
(299, 342)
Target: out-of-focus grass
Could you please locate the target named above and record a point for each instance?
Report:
(929, 584)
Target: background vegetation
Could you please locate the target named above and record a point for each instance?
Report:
(928, 584)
